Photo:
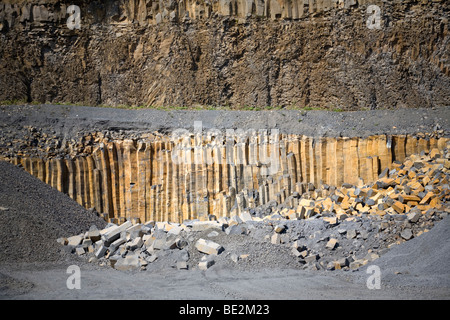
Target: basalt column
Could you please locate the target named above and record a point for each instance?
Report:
(164, 178)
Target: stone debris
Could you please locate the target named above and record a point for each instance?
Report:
(332, 244)
(208, 247)
(204, 265)
(332, 229)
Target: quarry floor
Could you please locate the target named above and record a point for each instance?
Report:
(405, 269)
(402, 277)
(68, 121)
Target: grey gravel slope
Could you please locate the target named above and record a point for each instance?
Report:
(421, 262)
(34, 215)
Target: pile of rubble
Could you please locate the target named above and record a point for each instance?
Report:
(332, 228)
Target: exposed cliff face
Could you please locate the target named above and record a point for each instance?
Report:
(153, 165)
(239, 53)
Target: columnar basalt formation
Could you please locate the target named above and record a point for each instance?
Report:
(346, 54)
(178, 177)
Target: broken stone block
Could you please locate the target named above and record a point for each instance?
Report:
(351, 234)
(406, 234)
(159, 244)
(62, 241)
(182, 265)
(172, 243)
(86, 243)
(151, 258)
(135, 244)
(303, 254)
(299, 246)
(236, 229)
(358, 264)
(94, 234)
(343, 262)
(130, 262)
(80, 251)
(116, 244)
(204, 265)
(208, 247)
(371, 256)
(332, 244)
(279, 228)
(75, 240)
(134, 231)
(296, 253)
(175, 230)
(332, 265)
(311, 258)
(114, 233)
(276, 238)
(245, 216)
(332, 221)
(413, 216)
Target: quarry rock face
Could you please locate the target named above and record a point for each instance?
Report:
(164, 178)
(346, 54)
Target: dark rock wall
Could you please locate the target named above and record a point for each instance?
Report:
(327, 54)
